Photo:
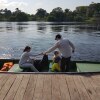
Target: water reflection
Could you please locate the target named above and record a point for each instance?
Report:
(41, 27)
(95, 34)
(1, 29)
(56, 28)
(22, 23)
(22, 26)
(9, 26)
(65, 28)
(21, 29)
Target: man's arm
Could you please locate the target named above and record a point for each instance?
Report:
(72, 46)
(52, 48)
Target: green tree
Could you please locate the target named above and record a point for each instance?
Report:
(79, 18)
(31, 17)
(92, 9)
(12, 18)
(18, 15)
(80, 13)
(17, 10)
(81, 10)
(41, 14)
(68, 15)
(1, 15)
(67, 10)
(51, 18)
(21, 16)
(56, 15)
(7, 14)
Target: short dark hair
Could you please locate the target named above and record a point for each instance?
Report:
(58, 36)
(56, 52)
(26, 48)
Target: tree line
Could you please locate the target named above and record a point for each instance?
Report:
(80, 14)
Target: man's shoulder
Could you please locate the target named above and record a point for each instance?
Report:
(27, 53)
(64, 40)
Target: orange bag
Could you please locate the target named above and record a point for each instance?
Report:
(7, 66)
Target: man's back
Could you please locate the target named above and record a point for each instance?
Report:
(65, 47)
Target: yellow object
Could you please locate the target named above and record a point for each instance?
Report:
(55, 67)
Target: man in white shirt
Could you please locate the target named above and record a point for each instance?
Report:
(66, 48)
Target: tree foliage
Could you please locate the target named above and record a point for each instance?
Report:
(80, 14)
(41, 14)
(56, 15)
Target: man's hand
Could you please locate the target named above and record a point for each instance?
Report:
(73, 51)
(38, 54)
(44, 53)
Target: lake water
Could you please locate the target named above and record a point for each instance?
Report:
(14, 36)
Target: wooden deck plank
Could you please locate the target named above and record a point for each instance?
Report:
(28, 95)
(13, 89)
(3, 79)
(47, 87)
(22, 87)
(96, 84)
(64, 88)
(5, 89)
(92, 93)
(97, 77)
(56, 95)
(81, 89)
(74, 94)
(38, 94)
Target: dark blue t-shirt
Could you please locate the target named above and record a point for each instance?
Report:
(57, 59)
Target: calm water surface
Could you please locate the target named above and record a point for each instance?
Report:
(14, 36)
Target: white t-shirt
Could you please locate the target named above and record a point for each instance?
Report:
(64, 46)
(25, 58)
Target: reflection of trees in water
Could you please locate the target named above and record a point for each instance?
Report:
(21, 26)
(9, 26)
(22, 23)
(1, 29)
(41, 27)
(65, 28)
(57, 28)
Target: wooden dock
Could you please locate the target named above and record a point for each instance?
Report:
(49, 86)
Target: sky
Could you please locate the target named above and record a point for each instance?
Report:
(30, 6)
